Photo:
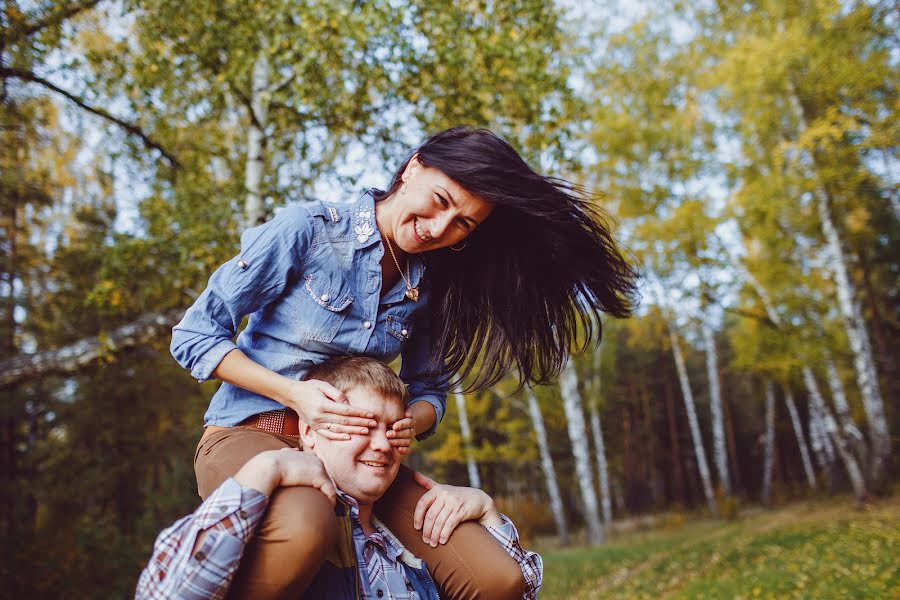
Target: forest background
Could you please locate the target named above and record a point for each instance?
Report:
(747, 156)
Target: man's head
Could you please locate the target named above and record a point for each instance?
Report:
(365, 465)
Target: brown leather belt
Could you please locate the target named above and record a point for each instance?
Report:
(281, 422)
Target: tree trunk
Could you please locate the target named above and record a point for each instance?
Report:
(851, 432)
(768, 444)
(840, 442)
(855, 325)
(556, 503)
(699, 452)
(602, 469)
(474, 479)
(599, 444)
(801, 440)
(720, 452)
(256, 139)
(735, 468)
(574, 409)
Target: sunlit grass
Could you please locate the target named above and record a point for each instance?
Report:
(824, 549)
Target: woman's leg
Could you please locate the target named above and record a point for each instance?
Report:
(299, 527)
(471, 565)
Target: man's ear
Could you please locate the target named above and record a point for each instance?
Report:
(307, 435)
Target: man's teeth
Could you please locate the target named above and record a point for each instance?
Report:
(373, 464)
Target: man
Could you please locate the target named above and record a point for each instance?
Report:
(198, 556)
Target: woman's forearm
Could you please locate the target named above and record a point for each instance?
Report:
(423, 415)
(239, 369)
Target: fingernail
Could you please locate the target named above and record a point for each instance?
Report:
(434, 544)
(443, 540)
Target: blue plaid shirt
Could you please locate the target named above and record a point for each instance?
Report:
(310, 280)
(231, 514)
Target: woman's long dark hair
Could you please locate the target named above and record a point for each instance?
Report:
(533, 276)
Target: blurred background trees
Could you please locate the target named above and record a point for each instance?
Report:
(747, 153)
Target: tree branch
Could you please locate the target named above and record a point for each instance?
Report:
(54, 18)
(78, 355)
(6, 72)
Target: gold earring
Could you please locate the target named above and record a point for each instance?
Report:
(460, 249)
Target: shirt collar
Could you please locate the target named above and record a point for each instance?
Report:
(387, 543)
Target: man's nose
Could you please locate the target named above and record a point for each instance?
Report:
(378, 441)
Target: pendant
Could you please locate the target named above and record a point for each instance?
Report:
(412, 293)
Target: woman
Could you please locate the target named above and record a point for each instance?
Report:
(469, 263)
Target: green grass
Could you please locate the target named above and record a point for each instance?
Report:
(819, 549)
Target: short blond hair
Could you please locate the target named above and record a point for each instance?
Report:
(348, 372)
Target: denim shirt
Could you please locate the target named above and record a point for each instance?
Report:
(310, 279)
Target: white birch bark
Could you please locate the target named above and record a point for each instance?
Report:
(688, 396)
(602, 468)
(863, 361)
(769, 444)
(840, 442)
(720, 452)
(474, 479)
(574, 409)
(599, 444)
(801, 440)
(852, 433)
(256, 139)
(854, 324)
(556, 504)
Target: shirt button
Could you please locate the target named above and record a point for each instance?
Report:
(242, 264)
(367, 325)
(404, 332)
(243, 514)
(379, 593)
(325, 298)
(200, 555)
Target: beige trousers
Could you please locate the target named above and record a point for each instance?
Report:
(300, 528)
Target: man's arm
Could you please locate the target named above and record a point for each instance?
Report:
(443, 507)
(199, 554)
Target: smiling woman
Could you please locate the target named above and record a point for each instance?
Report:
(470, 263)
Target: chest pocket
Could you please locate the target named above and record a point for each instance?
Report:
(397, 331)
(320, 307)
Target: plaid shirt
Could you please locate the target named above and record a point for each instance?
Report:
(231, 515)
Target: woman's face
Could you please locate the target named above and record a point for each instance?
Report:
(433, 211)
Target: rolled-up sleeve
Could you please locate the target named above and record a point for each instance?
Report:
(426, 376)
(271, 255)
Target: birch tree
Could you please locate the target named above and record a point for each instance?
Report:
(830, 427)
(556, 504)
(720, 452)
(578, 436)
(688, 396)
(472, 466)
(801, 439)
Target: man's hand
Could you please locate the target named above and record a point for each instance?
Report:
(443, 507)
(286, 467)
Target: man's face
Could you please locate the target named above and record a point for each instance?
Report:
(365, 465)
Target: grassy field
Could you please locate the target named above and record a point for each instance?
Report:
(819, 549)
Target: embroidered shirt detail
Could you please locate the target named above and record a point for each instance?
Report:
(363, 229)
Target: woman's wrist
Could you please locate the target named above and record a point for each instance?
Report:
(424, 416)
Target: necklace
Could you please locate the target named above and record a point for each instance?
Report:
(411, 292)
